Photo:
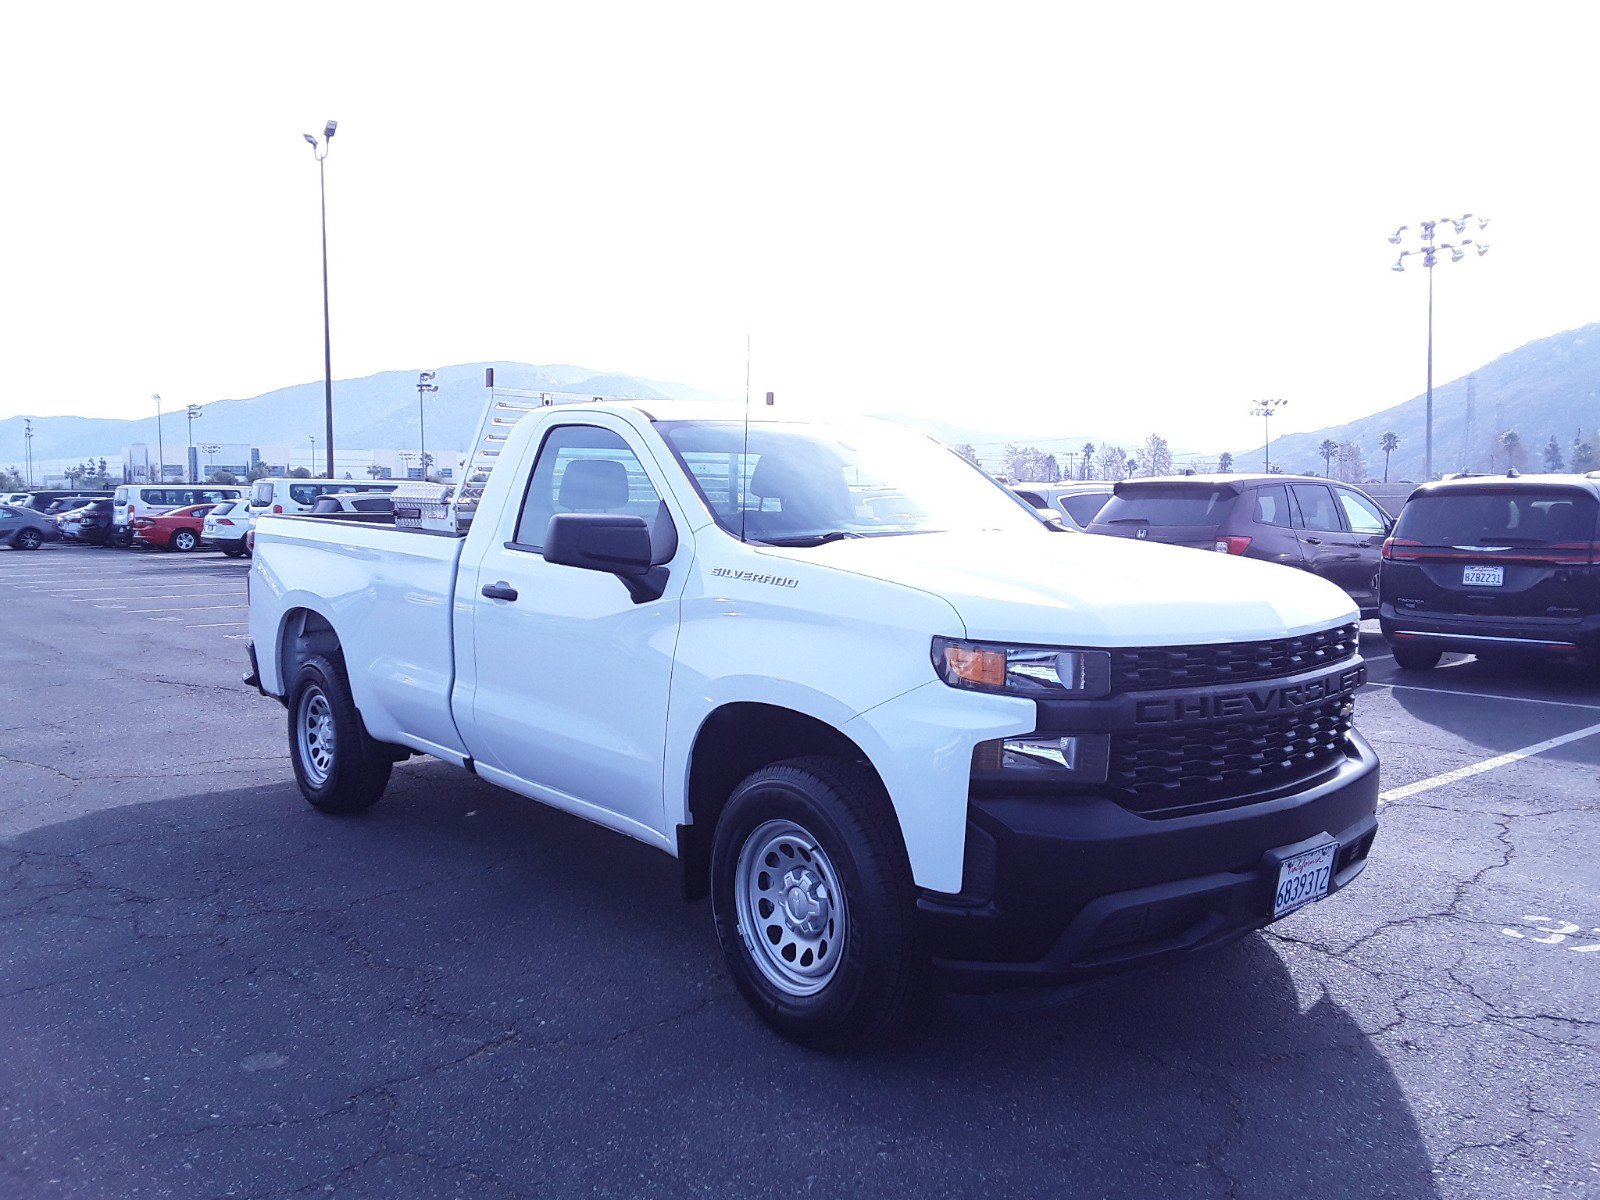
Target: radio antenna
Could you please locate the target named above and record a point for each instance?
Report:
(744, 454)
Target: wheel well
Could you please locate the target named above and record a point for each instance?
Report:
(305, 633)
(735, 741)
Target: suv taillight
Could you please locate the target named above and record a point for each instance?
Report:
(1399, 549)
(1231, 545)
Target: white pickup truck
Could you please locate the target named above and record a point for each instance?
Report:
(890, 721)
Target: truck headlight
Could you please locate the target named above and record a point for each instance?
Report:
(1041, 672)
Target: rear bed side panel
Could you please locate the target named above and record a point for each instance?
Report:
(387, 595)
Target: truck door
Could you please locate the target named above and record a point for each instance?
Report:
(569, 679)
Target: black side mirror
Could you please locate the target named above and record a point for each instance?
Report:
(616, 545)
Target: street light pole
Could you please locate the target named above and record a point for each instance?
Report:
(320, 149)
(189, 463)
(314, 457)
(27, 447)
(1264, 409)
(210, 451)
(1429, 249)
(425, 384)
(161, 450)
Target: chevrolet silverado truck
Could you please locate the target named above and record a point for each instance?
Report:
(897, 729)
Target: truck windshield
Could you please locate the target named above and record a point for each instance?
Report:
(808, 484)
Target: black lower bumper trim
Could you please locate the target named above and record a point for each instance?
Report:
(1078, 888)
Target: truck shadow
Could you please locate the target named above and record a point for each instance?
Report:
(465, 992)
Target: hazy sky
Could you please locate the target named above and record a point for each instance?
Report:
(1056, 217)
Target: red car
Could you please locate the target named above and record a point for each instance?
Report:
(175, 530)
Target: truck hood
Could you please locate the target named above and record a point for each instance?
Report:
(1056, 589)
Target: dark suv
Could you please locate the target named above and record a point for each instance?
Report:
(1495, 565)
(1330, 529)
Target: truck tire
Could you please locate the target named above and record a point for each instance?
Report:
(814, 904)
(339, 766)
(1415, 658)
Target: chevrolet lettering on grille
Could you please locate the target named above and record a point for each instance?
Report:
(1250, 702)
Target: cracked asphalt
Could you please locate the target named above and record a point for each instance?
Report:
(208, 989)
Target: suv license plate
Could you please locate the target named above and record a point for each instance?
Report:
(1483, 576)
(1303, 878)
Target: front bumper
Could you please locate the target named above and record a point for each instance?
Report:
(1542, 637)
(1063, 890)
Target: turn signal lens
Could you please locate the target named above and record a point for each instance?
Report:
(986, 668)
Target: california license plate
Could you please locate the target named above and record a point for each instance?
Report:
(1304, 878)
(1483, 576)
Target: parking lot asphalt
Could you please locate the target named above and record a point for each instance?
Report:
(208, 989)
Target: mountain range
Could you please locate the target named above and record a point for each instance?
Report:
(374, 412)
(1547, 387)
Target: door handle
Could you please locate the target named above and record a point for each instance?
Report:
(1365, 545)
(1314, 541)
(500, 591)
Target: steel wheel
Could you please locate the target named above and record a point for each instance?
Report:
(791, 908)
(314, 727)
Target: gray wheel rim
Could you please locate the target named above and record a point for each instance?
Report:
(30, 539)
(314, 730)
(184, 540)
(791, 910)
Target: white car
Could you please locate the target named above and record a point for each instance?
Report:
(226, 527)
(883, 739)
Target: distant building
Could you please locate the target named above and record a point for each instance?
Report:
(207, 459)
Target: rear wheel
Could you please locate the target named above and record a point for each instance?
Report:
(814, 904)
(339, 766)
(1416, 658)
(28, 539)
(234, 552)
(184, 540)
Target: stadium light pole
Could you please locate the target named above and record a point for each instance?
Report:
(320, 149)
(161, 449)
(192, 412)
(1429, 249)
(27, 448)
(425, 385)
(1264, 409)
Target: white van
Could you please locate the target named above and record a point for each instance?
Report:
(148, 500)
(301, 495)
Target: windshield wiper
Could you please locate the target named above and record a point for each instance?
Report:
(810, 539)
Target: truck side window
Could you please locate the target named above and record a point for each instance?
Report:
(586, 469)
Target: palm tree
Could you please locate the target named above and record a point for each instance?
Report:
(1511, 440)
(1225, 464)
(1388, 443)
(1328, 449)
(1088, 460)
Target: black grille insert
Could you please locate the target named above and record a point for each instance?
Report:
(1187, 767)
(1145, 668)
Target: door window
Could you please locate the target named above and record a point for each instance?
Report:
(1085, 507)
(1363, 515)
(1272, 506)
(586, 469)
(1315, 505)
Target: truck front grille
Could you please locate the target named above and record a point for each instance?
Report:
(1185, 768)
(1145, 668)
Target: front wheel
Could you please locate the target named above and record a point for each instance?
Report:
(339, 766)
(1416, 658)
(814, 904)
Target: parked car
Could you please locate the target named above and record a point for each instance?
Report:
(94, 523)
(24, 529)
(279, 496)
(1328, 528)
(353, 502)
(69, 521)
(175, 530)
(936, 736)
(63, 504)
(135, 500)
(1495, 566)
(1073, 504)
(227, 526)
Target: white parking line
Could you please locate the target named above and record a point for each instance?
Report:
(1412, 687)
(146, 596)
(216, 625)
(1488, 764)
(200, 608)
